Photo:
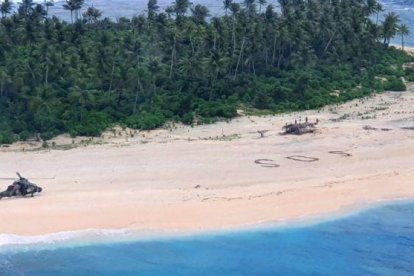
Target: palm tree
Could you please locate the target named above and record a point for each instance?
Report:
(181, 7)
(261, 4)
(186, 66)
(154, 67)
(250, 6)
(235, 9)
(48, 4)
(74, 6)
(39, 11)
(4, 79)
(213, 65)
(227, 5)
(26, 7)
(152, 8)
(169, 11)
(70, 6)
(92, 15)
(6, 7)
(378, 10)
(390, 27)
(403, 30)
(371, 7)
(200, 13)
(78, 6)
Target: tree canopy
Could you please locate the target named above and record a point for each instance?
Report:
(181, 64)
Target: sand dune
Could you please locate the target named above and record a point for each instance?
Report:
(206, 177)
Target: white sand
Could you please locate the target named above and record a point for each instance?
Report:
(408, 49)
(148, 181)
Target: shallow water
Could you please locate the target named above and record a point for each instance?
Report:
(379, 241)
(128, 8)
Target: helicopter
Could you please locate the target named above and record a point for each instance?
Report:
(20, 187)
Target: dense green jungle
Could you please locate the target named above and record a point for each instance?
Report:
(183, 65)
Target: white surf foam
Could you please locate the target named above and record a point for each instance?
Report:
(82, 238)
(62, 238)
(11, 242)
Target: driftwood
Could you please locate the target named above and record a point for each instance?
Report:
(300, 128)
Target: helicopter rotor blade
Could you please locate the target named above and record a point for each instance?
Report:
(35, 178)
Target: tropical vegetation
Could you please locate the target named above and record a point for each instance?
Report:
(183, 65)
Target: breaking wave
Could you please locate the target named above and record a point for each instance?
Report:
(70, 238)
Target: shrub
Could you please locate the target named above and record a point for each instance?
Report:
(262, 100)
(188, 118)
(94, 124)
(216, 109)
(145, 121)
(395, 84)
(6, 137)
(409, 74)
(24, 135)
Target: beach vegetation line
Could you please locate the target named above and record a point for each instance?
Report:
(182, 65)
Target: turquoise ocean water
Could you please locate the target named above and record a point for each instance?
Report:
(378, 241)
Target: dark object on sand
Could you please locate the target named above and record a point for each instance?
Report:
(408, 128)
(300, 128)
(21, 187)
(262, 133)
(369, 128)
(303, 158)
(340, 152)
(266, 163)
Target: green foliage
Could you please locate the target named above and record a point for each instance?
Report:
(395, 84)
(217, 109)
(6, 137)
(188, 118)
(145, 121)
(409, 74)
(92, 124)
(6, 134)
(24, 135)
(81, 78)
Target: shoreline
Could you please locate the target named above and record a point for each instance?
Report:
(91, 237)
(207, 178)
(409, 49)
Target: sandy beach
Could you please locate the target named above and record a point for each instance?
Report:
(215, 176)
(408, 49)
